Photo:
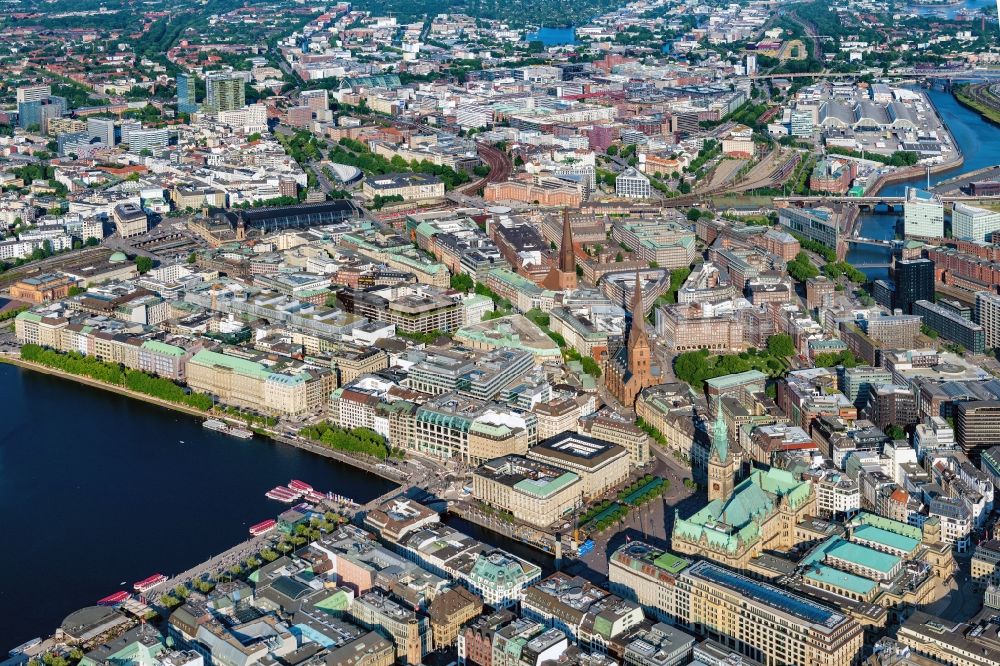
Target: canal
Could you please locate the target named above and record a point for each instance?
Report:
(491, 538)
(980, 145)
(97, 488)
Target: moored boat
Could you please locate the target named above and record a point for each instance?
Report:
(114, 599)
(263, 527)
(149, 583)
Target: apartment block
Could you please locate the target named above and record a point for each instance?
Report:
(988, 316)
(409, 630)
(247, 383)
(973, 224)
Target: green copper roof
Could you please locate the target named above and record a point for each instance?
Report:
(603, 626)
(237, 365)
(720, 439)
(503, 572)
(490, 429)
(842, 579)
(516, 281)
(162, 348)
(670, 562)
(888, 525)
(419, 264)
(886, 538)
(546, 487)
(854, 553)
(738, 379)
(734, 522)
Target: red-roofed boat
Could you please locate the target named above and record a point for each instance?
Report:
(147, 584)
(114, 599)
(263, 526)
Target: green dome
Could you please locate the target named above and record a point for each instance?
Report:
(118, 258)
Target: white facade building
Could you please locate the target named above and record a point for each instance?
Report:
(632, 185)
(923, 214)
(973, 224)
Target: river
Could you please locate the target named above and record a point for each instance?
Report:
(951, 10)
(980, 145)
(97, 488)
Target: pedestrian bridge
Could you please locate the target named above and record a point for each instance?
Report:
(868, 202)
(870, 241)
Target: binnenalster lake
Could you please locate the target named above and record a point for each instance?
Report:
(97, 488)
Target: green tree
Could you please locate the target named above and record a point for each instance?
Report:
(143, 264)
(590, 366)
(895, 431)
(462, 282)
(781, 345)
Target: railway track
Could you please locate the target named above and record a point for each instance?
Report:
(987, 94)
(500, 169)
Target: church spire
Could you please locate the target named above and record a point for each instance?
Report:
(638, 330)
(567, 258)
(639, 351)
(562, 276)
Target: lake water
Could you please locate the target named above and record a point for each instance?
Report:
(553, 36)
(980, 144)
(97, 488)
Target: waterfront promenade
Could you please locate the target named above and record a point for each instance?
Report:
(215, 566)
(382, 469)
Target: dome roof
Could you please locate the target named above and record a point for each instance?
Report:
(118, 258)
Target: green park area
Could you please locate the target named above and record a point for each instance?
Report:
(356, 440)
(695, 367)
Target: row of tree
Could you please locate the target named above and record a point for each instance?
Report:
(356, 440)
(114, 373)
(899, 158)
(801, 268)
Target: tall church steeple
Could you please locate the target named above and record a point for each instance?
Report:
(631, 368)
(563, 276)
(567, 258)
(639, 351)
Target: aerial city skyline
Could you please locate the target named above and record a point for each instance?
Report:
(608, 333)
